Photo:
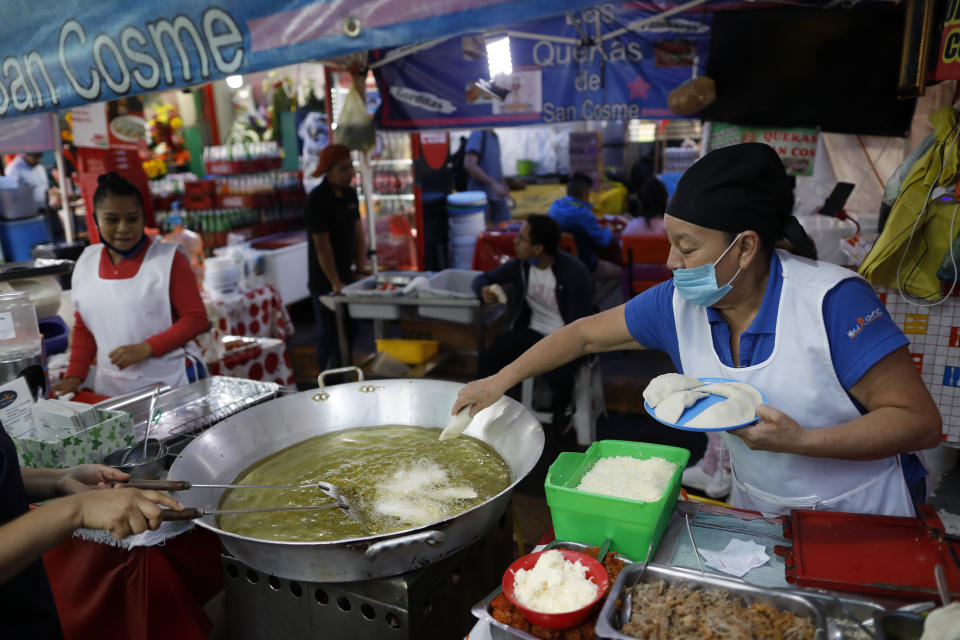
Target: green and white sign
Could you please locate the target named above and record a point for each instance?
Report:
(796, 147)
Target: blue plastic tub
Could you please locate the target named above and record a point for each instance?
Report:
(17, 237)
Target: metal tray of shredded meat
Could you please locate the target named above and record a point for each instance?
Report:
(612, 618)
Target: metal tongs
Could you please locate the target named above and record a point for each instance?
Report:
(627, 607)
(340, 500)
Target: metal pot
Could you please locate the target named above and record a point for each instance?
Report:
(221, 453)
(133, 461)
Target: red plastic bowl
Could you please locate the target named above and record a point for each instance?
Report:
(596, 573)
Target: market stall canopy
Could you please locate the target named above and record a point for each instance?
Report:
(610, 62)
(60, 55)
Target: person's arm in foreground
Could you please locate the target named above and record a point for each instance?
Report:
(321, 243)
(901, 417)
(44, 484)
(122, 512)
(606, 331)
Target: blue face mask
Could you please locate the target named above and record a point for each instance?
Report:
(699, 284)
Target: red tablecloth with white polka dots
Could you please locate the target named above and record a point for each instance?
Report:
(256, 314)
(264, 360)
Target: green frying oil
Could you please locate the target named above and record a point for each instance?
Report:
(396, 477)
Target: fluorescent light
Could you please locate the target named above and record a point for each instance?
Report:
(498, 57)
(234, 82)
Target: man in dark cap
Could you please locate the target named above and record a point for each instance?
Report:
(337, 244)
(843, 397)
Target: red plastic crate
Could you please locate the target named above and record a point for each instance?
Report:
(200, 188)
(194, 203)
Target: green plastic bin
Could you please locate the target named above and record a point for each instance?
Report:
(591, 518)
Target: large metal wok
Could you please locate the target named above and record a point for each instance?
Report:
(220, 454)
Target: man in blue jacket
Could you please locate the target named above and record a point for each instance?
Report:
(574, 215)
(553, 289)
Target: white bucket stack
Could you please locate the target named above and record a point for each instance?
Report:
(220, 276)
(465, 215)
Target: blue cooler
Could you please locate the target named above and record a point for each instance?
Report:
(17, 237)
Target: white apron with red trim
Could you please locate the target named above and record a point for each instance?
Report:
(799, 379)
(128, 311)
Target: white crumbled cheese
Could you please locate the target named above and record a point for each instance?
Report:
(554, 585)
(626, 477)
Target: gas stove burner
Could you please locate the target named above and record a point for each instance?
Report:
(431, 602)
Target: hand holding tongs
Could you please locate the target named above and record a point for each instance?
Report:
(333, 491)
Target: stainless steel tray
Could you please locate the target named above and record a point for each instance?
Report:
(501, 631)
(848, 617)
(189, 409)
(611, 616)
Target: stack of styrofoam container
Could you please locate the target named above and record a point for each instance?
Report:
(465, 215)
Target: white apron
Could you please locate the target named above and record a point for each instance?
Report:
(799, 379)
(128, 311)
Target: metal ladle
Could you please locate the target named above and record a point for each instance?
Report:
(151, 419)
(190, 513)
(331, 490)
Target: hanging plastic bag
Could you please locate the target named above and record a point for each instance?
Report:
(354, 126)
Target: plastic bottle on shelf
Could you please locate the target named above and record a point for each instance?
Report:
(191, 242)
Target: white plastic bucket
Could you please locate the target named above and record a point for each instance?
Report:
(827, 234)
(941, 459)
(220, 275)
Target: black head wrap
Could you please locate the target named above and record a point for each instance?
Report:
(737, 188)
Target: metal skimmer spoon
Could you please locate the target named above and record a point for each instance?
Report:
(182, 485)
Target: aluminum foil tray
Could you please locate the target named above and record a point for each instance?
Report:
(192, 408)
(610, 620)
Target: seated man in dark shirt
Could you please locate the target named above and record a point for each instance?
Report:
(552, 289)
(574, 215)
(332, 218)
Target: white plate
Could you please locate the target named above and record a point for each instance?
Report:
(128, 123)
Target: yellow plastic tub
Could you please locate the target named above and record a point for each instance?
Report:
(409, 351)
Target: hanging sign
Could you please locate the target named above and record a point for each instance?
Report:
(60, 55)
(797, 148)
(948, 60)
(608, 62)
(434, 147)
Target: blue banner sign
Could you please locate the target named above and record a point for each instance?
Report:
(58, 55)
(607, 62)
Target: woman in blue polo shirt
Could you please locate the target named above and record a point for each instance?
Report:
(845, 399)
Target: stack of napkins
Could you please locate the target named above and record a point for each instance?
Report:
(58, 418)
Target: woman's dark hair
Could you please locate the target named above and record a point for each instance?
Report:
(579, 186)
(113, 184)
(652, 199)
(545, 232)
